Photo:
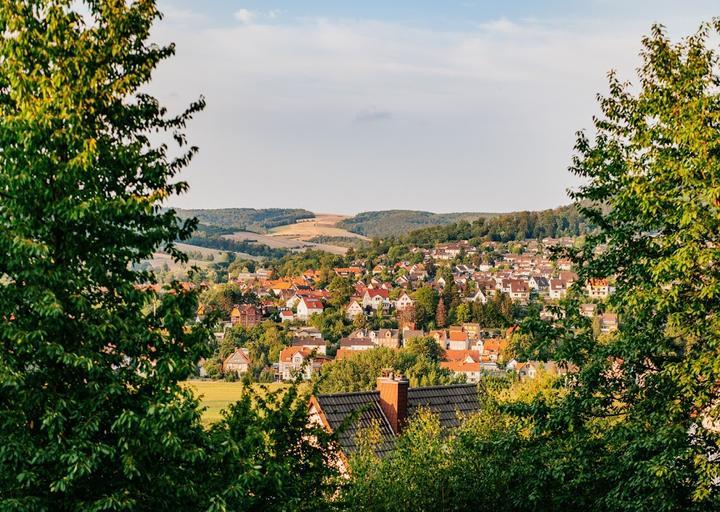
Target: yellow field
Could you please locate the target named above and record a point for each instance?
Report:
(218, 395)
(322, 224)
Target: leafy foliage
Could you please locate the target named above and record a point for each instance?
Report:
(92, 415)
(638, 417)
(262, 462)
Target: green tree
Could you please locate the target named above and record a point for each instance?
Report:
(637, 417)
(425, 346)
(90, 357)
(425, 304)
(463, 313)
(257, 452)
(341, 290)
(92, 415)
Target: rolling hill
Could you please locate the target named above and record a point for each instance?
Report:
(247, 219)
(397, 222)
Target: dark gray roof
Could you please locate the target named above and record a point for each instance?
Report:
(445, 401)
(448, 402)
(356, 342)
(338, 408)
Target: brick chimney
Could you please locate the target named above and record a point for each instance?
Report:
(394, 398)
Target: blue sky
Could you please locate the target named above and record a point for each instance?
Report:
(340, 106)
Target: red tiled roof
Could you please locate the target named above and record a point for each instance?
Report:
(460, 366)
(461, 355)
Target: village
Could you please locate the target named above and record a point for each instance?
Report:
(435, 296)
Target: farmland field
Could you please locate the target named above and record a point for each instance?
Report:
(324, 224)
(217, 395)
(295, 237)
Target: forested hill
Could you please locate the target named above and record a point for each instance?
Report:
(247, 219)
(502, 226)
(558, 222)
(397, 222)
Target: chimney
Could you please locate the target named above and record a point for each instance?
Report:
(394, 398)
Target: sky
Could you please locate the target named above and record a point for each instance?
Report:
(349, 106)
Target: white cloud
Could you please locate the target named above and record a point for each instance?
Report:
(245, 16)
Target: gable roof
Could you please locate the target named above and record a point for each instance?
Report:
(450, 403)
(374, 292)
(238, 356)
(312, 303)
(458, 335)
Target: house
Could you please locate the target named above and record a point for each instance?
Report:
(470, 370)
(403, 281)
(287, 316)
(598, 288)
(389, 338)
(306, 332)
(238, 362)
(353, 272)
(519, 290)
(467, 356)
(493, 347)
(408, 334)
(293, 301)
(295, 360)
(478, 296)
(473, 330)
(318, 345)
(458, 340)
(558, 288)
(568, 276)
(608, 322)
(389, 407)
(245, 315)
(404, 302)
(376, 298)
(539, 284)
(530, 369)
(588, 310)
(307, 307)
(378, 269)
(353, 310)
(356, 343)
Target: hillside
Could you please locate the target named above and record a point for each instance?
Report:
(397, 222)
(505, 227)
(247, 219)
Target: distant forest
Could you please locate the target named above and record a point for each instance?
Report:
(425, 227)
(558, 222)
(247, 219)
(397, 222)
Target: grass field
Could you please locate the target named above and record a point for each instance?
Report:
(218, 395)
